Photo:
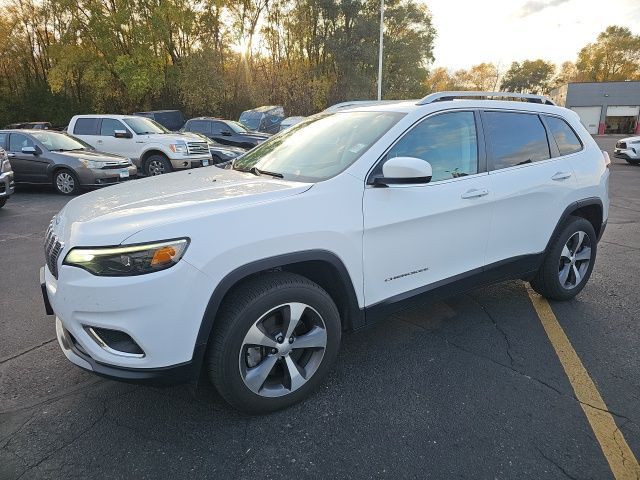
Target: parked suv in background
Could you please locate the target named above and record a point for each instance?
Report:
(150, 146)
(170, 119)
(226, 132)
(6, 178)
(628, 149)
(67, 163)
(263, 119)
(331, 225)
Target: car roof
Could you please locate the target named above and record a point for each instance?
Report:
(107, 115)
(29, 130)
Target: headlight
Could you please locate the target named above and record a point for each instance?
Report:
(178, 147)
(128, 260)
(5, 166)
(92, 163)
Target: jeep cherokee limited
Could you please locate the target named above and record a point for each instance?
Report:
(253, 273)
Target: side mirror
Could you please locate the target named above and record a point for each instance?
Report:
(404, 171)
(30, 150)
(122, 134)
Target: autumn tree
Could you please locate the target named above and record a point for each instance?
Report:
(615, 55)
(530, 76)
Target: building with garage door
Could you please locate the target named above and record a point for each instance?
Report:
(604, 107)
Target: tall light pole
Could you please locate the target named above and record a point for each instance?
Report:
(380, 52)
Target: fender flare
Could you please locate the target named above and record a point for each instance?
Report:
(569, 210)
(355, 314)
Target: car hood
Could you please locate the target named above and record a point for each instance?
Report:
(110, 215)
(630, 139)
(92, 155)
(170, 138)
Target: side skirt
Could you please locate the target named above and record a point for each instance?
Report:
(520, 267)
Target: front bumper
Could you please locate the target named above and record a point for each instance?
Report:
(190, 162)
(7, 186)
(161, 312)
(101, 177)
(626, 154)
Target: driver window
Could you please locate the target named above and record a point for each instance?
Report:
(447, 141)
(109, 127)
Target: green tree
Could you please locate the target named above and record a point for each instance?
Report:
(530, 76)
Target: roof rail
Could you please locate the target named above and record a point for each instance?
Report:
(445, 96)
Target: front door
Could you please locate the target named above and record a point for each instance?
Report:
(418, 235)
(27, 167)
(107, 142)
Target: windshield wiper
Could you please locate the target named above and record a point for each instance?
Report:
(256, 171)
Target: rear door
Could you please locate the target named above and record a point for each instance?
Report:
(87, 129)
(530, 182)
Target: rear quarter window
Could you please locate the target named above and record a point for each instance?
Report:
(86, 126)
(564, 136)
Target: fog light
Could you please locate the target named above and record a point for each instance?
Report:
(115, 341)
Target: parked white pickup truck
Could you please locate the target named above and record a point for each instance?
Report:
(151, 147)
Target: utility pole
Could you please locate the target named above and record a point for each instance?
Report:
(380, 53)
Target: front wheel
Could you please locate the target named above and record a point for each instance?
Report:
(66, 182)
(568, 262)
(274, 342)
(3, 201)
(157, 165)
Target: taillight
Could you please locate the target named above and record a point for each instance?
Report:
(607, 160)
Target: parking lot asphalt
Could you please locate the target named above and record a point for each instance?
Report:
(470, 387)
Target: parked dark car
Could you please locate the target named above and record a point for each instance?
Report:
(170, 119)
(6, 178)
(58, 159)
(265, 119)
(226, 132)
(30, 125)
(221, 153)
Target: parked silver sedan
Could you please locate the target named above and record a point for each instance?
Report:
(58, 159)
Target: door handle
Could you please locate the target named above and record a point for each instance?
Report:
(475, 193)
(10, 155)
(561, 176)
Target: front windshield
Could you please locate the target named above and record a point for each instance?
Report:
(320, 147)
(144, 126)
(58, 142)
(236, 127)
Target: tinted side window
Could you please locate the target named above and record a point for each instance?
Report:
(109, 126)
(17, 141)
(566, 139)
(198, 126)
(218, 127)
(86, 126)
(3, 138)
(447, 141)
(515, 139)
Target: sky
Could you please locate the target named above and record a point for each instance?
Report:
(503, 31)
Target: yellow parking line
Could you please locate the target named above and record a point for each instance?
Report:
(623, 463)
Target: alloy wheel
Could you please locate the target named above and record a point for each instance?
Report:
(282, 350)
(65, 182)
(574, 260)
(156, 167)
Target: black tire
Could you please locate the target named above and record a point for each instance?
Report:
(157, 165)
(3, 201)
(66, 182)
(246, 306)
(633, 162)
(547, 281)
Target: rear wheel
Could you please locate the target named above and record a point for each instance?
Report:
(2, 202)
(157, 165)
(569, 261)
(66, 182)
(274, 341)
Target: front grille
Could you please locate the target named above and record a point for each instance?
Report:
(197, 148)
(115, 166)
(52, 249)
(622, 145)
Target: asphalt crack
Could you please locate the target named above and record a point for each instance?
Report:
(28, 350)
(496, 326)
(555, 464)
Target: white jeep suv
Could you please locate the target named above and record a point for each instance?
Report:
(151, 147)
(253, 273)
(628, 149)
